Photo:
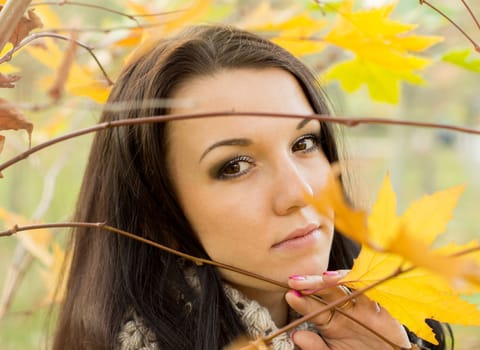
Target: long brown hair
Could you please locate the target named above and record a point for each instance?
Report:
(126, 185)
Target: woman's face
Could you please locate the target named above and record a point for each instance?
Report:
(242, 181)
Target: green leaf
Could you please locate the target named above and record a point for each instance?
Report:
(464, 59)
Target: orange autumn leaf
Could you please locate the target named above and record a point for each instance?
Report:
(27, 23)
(8, 80)
(11, 118)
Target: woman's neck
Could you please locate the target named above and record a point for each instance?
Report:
(274, 301)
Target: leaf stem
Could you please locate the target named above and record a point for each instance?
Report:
(36, 36)
(350, 122)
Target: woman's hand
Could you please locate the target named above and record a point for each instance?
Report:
(337, 331)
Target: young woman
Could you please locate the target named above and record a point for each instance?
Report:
(229, 188)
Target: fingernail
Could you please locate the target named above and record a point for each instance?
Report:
(296, 293)
(297, 277)
(292, 334)
(330, 273)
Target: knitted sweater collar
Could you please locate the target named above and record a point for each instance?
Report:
(134, 335)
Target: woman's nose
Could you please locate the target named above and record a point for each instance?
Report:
(290, 188)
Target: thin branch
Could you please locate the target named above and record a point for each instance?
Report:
(333, 304)
(355, 294)
(350, 122)
(108, 30)
(36, 36)
(444, 15)
(107, 9)
(97, 7)
(201, 261)
(10, 15)
(475, 19)
(103, 226)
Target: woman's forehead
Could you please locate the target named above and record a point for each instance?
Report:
(254, 90)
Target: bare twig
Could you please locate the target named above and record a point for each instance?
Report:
(351, 122)
(444, 15)
(475, 19)
(10, 15)
(36, 36)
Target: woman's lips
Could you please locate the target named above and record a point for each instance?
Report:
(300, 237)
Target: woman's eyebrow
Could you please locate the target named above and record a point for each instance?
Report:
(303, 123)
(228, 142)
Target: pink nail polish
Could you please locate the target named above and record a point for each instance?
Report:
(296, 293)
(297, 277)
(330, 273)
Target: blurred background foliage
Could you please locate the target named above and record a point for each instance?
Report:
(43, 187)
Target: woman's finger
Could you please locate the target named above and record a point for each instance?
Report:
(310, 284)
(304, 305)
(306, 340)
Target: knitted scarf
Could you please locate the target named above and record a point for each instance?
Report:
(134, 335)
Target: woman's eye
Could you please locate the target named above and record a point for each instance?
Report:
(235, 167)
(306, 143)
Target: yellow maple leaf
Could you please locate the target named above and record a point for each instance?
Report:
(383, 84)
(430, 215)
(385, 232)
(348, 220)
(372, 35)
(411, 235)
(410, 297)
(382, 48)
